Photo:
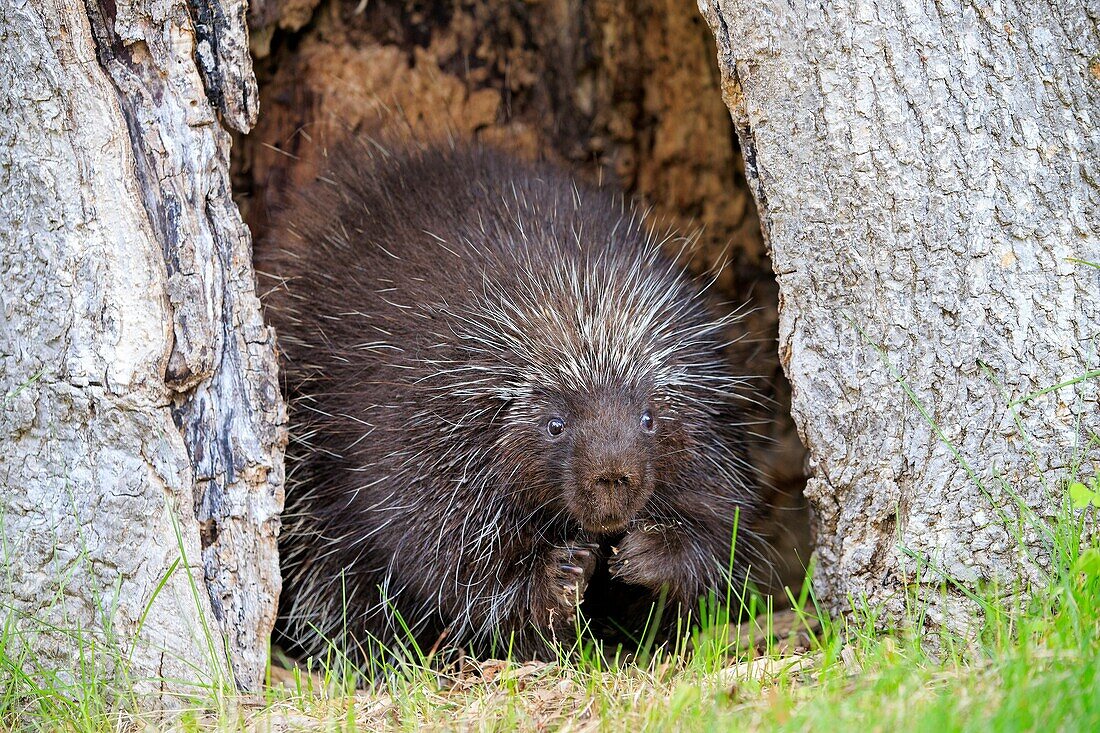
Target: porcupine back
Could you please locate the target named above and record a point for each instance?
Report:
(429, 303)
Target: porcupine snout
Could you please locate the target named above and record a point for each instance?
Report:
(614, 477)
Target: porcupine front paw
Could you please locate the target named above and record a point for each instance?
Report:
(650, 555)
(565, 577)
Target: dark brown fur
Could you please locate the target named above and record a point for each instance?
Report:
(430, 307)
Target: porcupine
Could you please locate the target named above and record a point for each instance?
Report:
(503, 396)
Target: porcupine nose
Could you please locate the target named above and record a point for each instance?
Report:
(611, 500)
(612, 482)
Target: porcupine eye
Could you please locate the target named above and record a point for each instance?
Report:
(647, 422)
(555, 426)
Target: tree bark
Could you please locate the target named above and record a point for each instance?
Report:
(142, 427)
(926, 175)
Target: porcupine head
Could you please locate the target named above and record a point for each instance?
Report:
(606, 369)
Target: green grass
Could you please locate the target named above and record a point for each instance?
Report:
(1033, 665)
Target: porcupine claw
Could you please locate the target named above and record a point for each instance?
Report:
(571, 567)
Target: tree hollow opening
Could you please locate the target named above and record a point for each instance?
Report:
(614, 90)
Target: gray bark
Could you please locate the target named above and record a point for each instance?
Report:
(138, 382)
(926, 172)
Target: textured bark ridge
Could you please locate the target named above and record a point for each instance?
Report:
(141, 419)
(926, 174)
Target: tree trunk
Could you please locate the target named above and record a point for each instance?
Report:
(926, 175)
(142, 428)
